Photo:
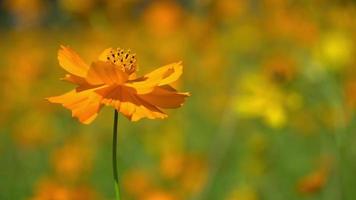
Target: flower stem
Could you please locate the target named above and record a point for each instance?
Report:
(114, 159)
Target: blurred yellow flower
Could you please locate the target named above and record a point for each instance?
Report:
(244, 192)
(259, 97)
(336, 50)
(112, 81)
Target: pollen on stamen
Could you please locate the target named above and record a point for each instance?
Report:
(123, 58)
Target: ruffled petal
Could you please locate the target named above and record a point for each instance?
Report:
(105, 73)
(161, 76)
(127, 102)
(84, 105)
(71, 62)
(165, 97)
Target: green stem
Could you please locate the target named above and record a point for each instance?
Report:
(114, 159)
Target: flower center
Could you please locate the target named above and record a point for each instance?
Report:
(123, 58)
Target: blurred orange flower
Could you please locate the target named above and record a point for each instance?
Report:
(316, 180)
(111, 80)
(72, 161)
(159, 195)
(163, 17)
(313, 182)
(50, 189)
(137, 182)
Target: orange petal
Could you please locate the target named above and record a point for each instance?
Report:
(74, 79)
(103, 56)
(126, 101)
(105, 73)
(71, 62)
(161, 76)
(165, 97)
(84, 105)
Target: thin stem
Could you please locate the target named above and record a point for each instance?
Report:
(114, 155)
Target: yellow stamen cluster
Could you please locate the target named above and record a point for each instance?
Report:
(123, 58)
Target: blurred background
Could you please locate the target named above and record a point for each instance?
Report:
(271, 116)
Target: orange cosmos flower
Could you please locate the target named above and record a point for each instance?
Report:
(111, 80)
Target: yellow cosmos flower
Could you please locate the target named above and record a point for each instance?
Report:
(261, 98)
(112, 81)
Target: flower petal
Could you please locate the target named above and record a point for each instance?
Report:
(104, 55)
(126, 101)
(161, 76)
(105, 73)
(84, 105)
(165, 97)
(71, 62)
(74, 79)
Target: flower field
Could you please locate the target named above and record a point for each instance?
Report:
(270, 113)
